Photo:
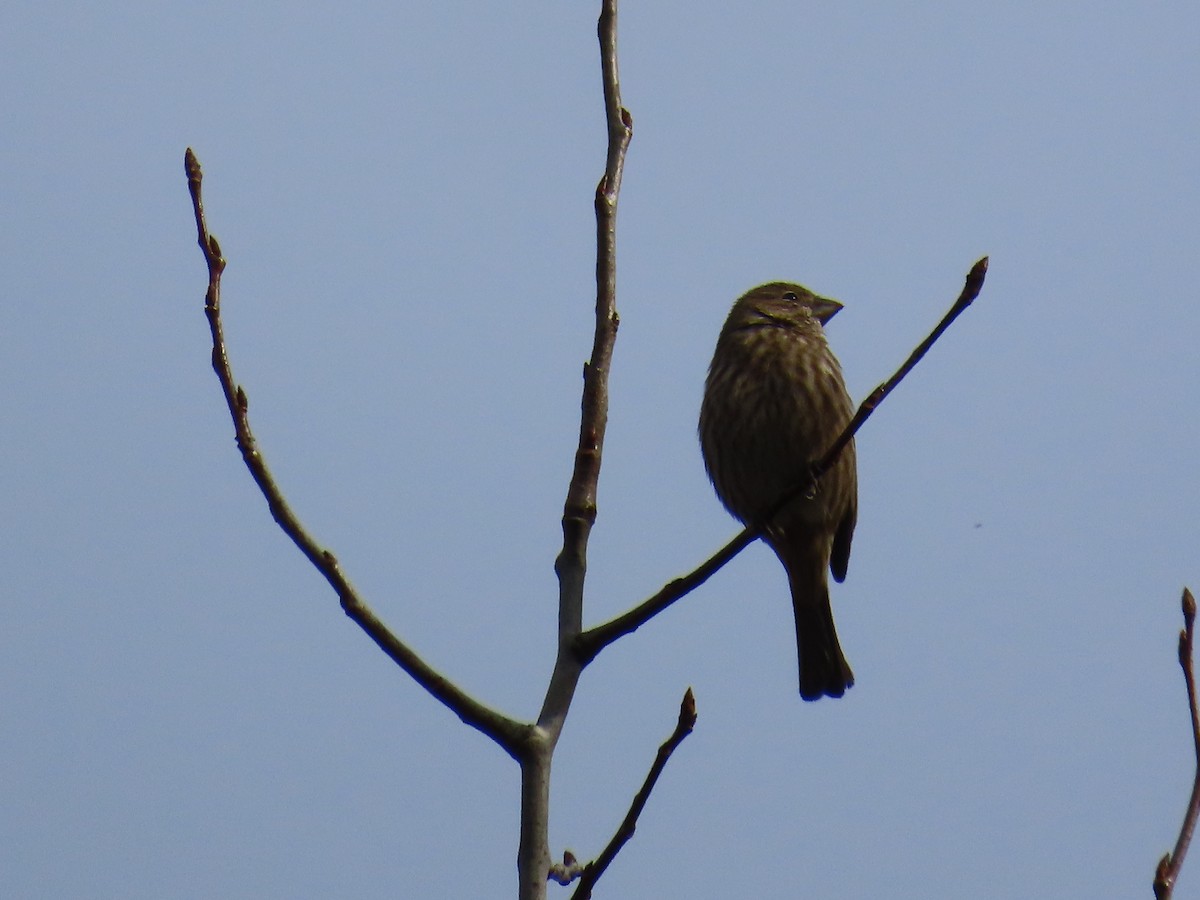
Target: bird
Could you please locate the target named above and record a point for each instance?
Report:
(774, 402)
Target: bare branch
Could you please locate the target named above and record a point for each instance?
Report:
(592, 871)
(508, 733)
(1168, 867)
(592, 641)
(579, 510)
(971, 289)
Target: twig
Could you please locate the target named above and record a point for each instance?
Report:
(1168, 867)
(971, 289)
(579, 511)
(508, 733)
(592, 871)
(592, 641)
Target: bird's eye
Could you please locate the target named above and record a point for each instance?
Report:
(791, 295)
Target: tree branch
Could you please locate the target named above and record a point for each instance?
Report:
(591, 873)
(592, 641)
(579, 510)
(1168, 867)
(508, 733)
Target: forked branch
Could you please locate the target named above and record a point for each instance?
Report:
(592, 641)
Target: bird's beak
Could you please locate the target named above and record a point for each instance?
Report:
(824, 309)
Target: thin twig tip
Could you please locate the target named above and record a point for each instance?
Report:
(1163, 882)
(687, 710)
(974, 282)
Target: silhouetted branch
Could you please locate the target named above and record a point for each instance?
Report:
(591, 873)
(509, 734)
(1169, 866)
(592, 641)
(971, 289)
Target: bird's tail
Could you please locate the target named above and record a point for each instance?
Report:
(824, 671)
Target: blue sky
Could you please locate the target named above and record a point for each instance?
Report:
(405, 200)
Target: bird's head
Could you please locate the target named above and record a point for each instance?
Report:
(781, 303)
(784, 300)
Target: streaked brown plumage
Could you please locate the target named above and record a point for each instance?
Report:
(774, 402)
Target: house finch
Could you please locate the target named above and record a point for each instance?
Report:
(774, 402)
